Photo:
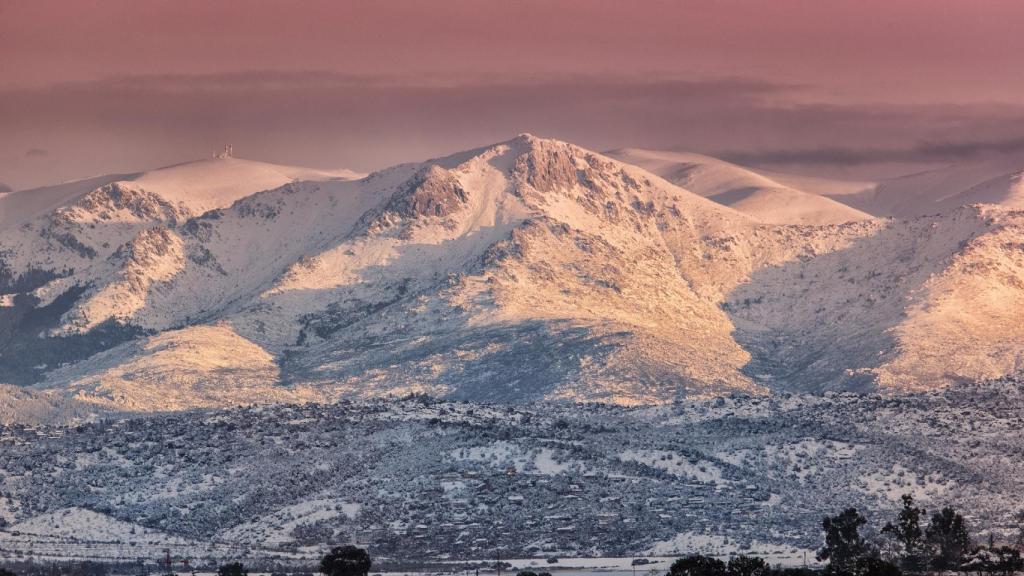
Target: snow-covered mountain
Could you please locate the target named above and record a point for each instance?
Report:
(799, 199)
(943, 189)
(530, 269)
(744, 190)
(78, 258)
(193, 186)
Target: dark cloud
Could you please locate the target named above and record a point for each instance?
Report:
(36, 153)
(327, 82)
(970, 149)
(920, 153)
(5, 188)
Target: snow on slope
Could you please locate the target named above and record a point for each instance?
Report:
(194, 367)
(530, 269)
(742, 189)
(214, 262)
(966, 322)
(18, 207)
(215, 183)
(76, 533)
(76, 257)
(918, 305)
(283, 526)
(943, 189)
(200, 186)
(822, 186)
(606, 291)
(33, 407)
(85, 524)
(440, 277)
(1006, 190)
(78, 226)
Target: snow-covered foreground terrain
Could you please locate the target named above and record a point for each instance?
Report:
(427, 479)
(524, 271)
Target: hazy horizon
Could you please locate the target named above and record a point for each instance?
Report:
(844, 89)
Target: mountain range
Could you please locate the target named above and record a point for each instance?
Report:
(527, 270)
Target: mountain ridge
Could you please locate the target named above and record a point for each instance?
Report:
(527, 270)
(741, 188)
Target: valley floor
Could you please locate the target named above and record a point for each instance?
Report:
(445, 481)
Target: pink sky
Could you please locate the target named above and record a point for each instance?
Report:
(90, 86)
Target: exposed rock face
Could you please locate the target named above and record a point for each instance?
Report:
(433, 191)
(546, 166)
(105, 202)
(152, 257)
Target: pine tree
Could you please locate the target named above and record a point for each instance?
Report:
(948, 536)
(844, 544)
(908, 533)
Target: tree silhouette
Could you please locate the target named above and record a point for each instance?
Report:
(346, 561)
(697, 565)
(232, 569)
(843, 542)
(908, 533)
(872, 566)
(747, 566)
(948, 536)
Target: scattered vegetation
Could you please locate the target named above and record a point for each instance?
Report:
(901, 546)
(943, 545)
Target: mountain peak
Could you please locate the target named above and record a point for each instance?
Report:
(441, 277)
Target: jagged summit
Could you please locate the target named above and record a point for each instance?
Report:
(524, 270)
